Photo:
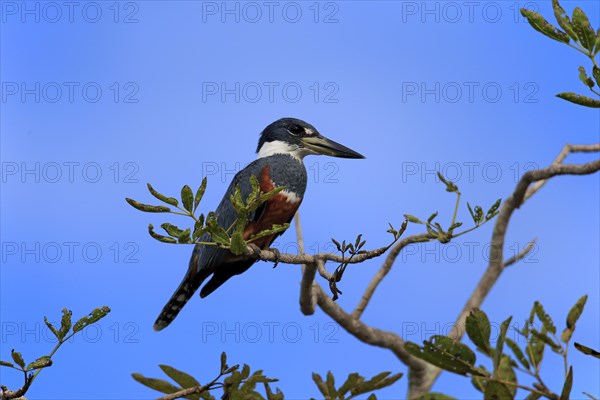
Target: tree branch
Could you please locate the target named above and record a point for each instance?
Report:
(418, 370)
(308, 298)
(185, 392)
(6, 394)
(496, 264)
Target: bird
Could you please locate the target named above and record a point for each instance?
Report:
(281, 149)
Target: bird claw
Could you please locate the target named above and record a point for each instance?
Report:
(277, 256)
(255, 249)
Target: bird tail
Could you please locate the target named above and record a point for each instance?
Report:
(188, 286)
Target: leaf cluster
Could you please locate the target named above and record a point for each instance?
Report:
(241, 384)
(436, 230)
(236, 384)
(355, 385)
(577, 33)
(351, 248)
(501, 382)
(230, 238)
(63, 333)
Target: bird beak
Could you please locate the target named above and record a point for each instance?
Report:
(322, 145)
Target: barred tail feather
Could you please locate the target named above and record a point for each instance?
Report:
(188, 286)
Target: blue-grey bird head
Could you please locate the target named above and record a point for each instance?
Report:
(298, 138)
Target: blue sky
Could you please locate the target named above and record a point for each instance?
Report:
(99, 98)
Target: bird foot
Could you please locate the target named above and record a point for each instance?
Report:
(255, 249)
(277, 255)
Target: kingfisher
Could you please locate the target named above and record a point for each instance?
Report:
(281, 149)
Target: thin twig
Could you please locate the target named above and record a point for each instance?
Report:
(569, 148)
(521, 255)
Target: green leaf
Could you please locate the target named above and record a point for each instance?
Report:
(493, 211)
(146, 207)
(330, 382)
(587, 350)
(583, 77)
(258, 377)
(271, 395)
(535, 350)
(7, 364)
(41, 362)
(579, 99)
(533, 396)
(500, 343)
(17, 358)
(320, 384)
(52, 328)
(181, 378)
(93, 317)
(432, 217)
(245, 371)
(518, 353)
(443, 352)
(583, 29)
(184, 236)
(538, 23)
(544, 317)
(238, 245)
(436, 396)
(384, 379)
(478, 330)
(275, 229)
(479, 382)
(223, 362)
(546, 339)
(187, 197)
(172, 230)
(156, 384)
(575, 312)
(160, 238)
(597, 48)
(200, 193)
(450, 186)
(169, 200)
(495, 390)
(351, 382)
(217, 233)
(506, 373)
(566, 390)
(65, 323)
(413, 219)
(596, 70)
(563, 19)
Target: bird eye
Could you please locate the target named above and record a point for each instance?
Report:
(296, 130)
